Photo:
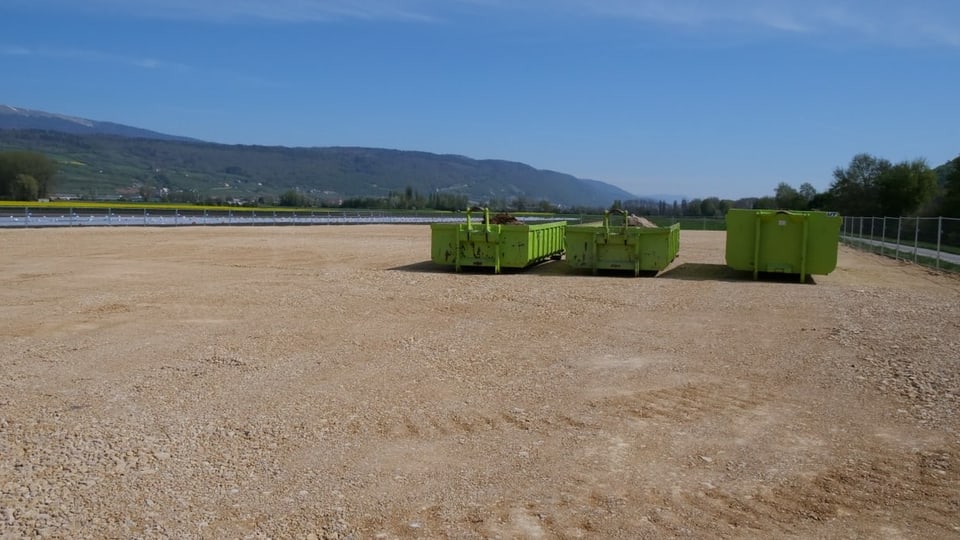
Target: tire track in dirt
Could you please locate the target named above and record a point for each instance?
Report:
(924, 486)
(399, 425)
(690, 401)
(583, 505)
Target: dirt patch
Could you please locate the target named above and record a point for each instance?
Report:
(505, 219)
(327, 382)
(640, 221)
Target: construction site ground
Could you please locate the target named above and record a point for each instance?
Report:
(331, 382)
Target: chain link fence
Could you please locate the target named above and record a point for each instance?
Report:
(932, 242)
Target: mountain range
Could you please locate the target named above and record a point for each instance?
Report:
(106, 160)
(17, 118)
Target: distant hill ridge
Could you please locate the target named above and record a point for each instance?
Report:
(19, 118)
(103, 159)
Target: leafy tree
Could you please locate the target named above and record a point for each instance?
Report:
(447, 201)
(724, 206)
(821, 201)
(950, 205)
(710, 207)
(788, 198)
(765, 203)
(905, 187)
(15, 166)
(25, 188)
(295, 199)
(854, 189)
(807, 193)
(546, 206)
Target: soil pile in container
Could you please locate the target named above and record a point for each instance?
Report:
(638, 221)
(504, 218)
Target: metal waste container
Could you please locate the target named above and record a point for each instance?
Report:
(497, 246)
(602, 246)
(782, 241)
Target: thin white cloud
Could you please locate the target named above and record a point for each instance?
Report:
(898, 22)
(14, 51)
(88, 55)
(920, 22)
(891, 22)
(941, 33)
(254, 10)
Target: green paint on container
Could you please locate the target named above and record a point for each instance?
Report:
(779, 241)
(603, 246)
(483, 244)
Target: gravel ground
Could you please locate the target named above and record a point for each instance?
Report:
(330, 382)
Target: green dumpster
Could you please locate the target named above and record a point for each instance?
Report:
(782, 241)
(621, 247)
(497, 246)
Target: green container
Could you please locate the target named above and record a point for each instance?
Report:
(483, 244)
(780, 241)
(621, 247)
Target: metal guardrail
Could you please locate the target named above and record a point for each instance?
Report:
(933, 242)
(30, 217)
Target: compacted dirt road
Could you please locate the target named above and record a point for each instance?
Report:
(330, 382)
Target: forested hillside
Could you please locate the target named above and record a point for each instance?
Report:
(106, 166)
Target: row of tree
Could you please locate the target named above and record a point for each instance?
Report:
(785, 197)
(409, 199)
(871, 186)
(868, 186)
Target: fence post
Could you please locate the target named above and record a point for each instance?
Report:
(861, 233)
(939, 236)
(883, 234)
(896, 254)
(916, 240)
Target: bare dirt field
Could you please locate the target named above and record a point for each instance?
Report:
(330, 382)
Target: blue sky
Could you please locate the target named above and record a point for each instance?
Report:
(688, 97)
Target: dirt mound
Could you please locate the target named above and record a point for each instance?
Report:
(638, 221)
(504, 218)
